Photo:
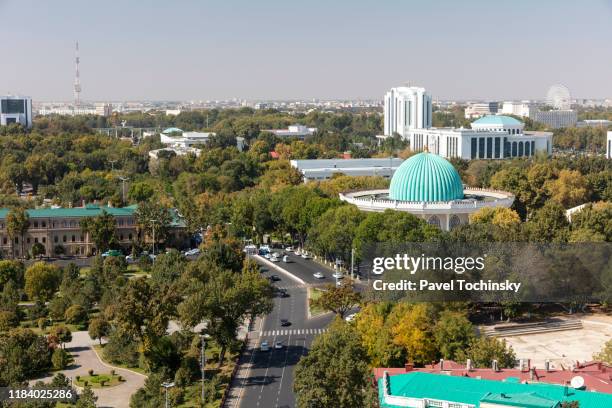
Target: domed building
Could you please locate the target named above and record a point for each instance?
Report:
(428, 186)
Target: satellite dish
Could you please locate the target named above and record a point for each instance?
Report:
(577, 382)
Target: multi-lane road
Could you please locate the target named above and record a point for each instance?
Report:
(265, 378)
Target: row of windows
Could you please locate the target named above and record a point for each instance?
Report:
(73, 238)
(70, 223)
(510, 131)
(452, 223)
(490, 148)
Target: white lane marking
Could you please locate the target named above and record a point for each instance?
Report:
(283, 372)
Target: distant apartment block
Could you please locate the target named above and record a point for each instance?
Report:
(602, 123)
(407, 108)
(555, 119)
(104, 109)
(524, 109)
(476, 110)
(16, 109)
(323, 169)
(297, 131)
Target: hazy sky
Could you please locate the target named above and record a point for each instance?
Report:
(275, 49)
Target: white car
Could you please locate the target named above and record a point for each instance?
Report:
(305, 255)
(278, 345)
(289, 249)
(264, 346)
(274, 258)
(129, 259)
(298, 252)
(338, 275)
(192, 252)
(285, 259)
(350, 317)
(267, 255)
(318, 275)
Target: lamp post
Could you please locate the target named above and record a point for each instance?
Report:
(152, 221)
(167, 385)
(112, 162)
(123, 180)
(203, 363)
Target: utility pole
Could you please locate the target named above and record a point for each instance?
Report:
(123, 180)
(203, 359)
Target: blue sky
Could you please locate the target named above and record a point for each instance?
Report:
(275, 49)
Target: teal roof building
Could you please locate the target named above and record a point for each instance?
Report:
(498, 120)
(419, 389)
(426, 177)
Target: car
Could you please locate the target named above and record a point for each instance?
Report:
(278, 345)
(285, 322)
(264, 346)
(283, 293)
(111, 252)
(289, 249)
(129, 258)
(286, 259)
(267, 255)
(305, 255)
(318, 275)
(351, 317)
(298, 252)
(338, 275)
(274, 258)
(338, 283)
(191, 252)
(274, 278)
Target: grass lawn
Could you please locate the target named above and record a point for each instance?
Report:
(314, 294)
(99, 349)
(96, 380)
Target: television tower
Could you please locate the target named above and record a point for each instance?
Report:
(77, 79)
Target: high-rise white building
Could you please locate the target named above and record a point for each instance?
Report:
(407, 108)
(16, 109)
(609, 145)
(555, 119)
(524, 109)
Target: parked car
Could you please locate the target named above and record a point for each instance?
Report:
(283, 293)
(286, 259)
(318, 275)
(274, 258)
(289, 249)
(338, 275)
(191, 252)
(129, 258)
(111, 252)
(305, 255)
(274, 278)
(267, 255)
(285, 322)
(351, 317)
(264, 346)
(278, 345)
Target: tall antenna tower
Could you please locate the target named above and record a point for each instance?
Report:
(77, 79)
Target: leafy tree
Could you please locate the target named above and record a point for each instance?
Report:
(60, 359)
(412, 329)
(505, 218)
(121, 349)
(453, 332)
(11, 271)
(569, 189)
(483, 350)
(42, 281)
(548, 224)
(75, 314)
(605, 355)
(153, 218)
(87, 399)
(38, 250)
(151, 395)
(60, 335)
(376, 336)
(24, 354)
(338, 299)
(8, 320)
(98, 328)
(17, 224)
(101, 229)
(141, 192)
(335, 372)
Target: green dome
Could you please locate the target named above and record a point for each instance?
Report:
(426, 177)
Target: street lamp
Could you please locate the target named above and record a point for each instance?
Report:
(167, 385)
(203, 363)
(152, 221)
(112, 162)
(123, 180)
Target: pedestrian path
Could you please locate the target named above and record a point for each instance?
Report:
(291, 332)
(286, 287)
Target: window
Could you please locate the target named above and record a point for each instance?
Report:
(474, 148)
(64, 239)
(4, 241)
(513, 149)
(16, 240)
(35, 224)
(454, 222)
(44, 240)
(527, 150)
(82, 239)
(44, 224)
(55, 239)
(520, 149)
(481, 147)
(434, 220)
(489, 148)
(120, 237)
(497, 147)
(28, 240)
(36, 240)
(73, 238)
(130, 236)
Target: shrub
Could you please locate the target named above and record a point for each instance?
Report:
(8, 320)
(60, 359)
(182, 378)
(113, 372)
(78, 378)
(85, 383)
(120, 378)
(90, 372)
(75, 314)
(102, 383)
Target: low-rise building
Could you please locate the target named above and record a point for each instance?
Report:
(16, 109)
(297, 130)
(422, 389)
(323, 169)
(476, 110)
(59, 231)
(490, 137)
(602, 123)
(175, 137)
(555, 119)
(525, 109)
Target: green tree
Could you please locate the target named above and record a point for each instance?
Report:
(335, 372)
(153, 218)
(60, 335)
(338, 299)
(60, 359)
(24, 354)
(42, 281)
(453, 332)
(17, 224)
(75, 314)
(483, 350)
(101, 230)
(605, 355)
(87, 399)
(38, 250)
(11, 271)
(98, 328)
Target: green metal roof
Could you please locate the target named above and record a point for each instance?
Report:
(77, 212)
(472, 391)
(426, 177)
(497, 120)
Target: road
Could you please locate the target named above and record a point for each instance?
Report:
(265, 378)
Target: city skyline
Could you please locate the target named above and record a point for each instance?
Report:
(275, 51)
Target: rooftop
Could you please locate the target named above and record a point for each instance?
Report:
(499, 120)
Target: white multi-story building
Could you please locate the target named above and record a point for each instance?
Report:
(175, 137)
(609, 145)
(104, 109)
(297, 130)
(476, 110)
(407, 108)
(555, 119)
(323, 169)
(16, 109)
(491, 137)
(525, 109)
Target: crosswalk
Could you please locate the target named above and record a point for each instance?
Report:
(291, 332)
